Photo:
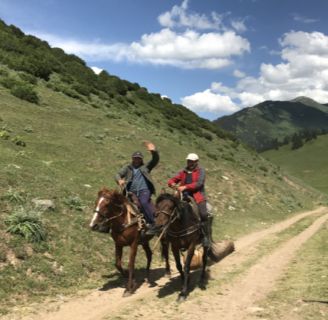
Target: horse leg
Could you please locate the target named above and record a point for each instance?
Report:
(149, 255)
(184, 291)
(165, 255)
(176, 254)
(131, 285)
(118, 259)
(203, 275)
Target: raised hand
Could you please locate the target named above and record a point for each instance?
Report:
(149, 146)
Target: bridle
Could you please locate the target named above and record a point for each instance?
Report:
(109, 219)
(172, 217)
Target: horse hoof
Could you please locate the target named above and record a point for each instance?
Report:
(202, 286)
(127, 293)
(181, 298)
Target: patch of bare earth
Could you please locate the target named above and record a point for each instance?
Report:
(233, 300)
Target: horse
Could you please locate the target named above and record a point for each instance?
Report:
(182, 228)
(115, 211)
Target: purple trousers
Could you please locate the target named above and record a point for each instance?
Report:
(147, 206)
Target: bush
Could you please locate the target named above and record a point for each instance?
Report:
(14, 196)
(74, 202)
(18, 141)
(26, 224)
(25, 92)
(9, 82)
(28, 78)
(4, 134)
(207, 136)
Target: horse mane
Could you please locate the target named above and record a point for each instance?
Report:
(113, 195)
(167, 196)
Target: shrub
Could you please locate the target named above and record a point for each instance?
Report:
(28, 78)
(25, 92)
(207, 136)
(4, 134)
(74, 202)
(26, 224)
(9, 82)
(18, 141)
(14, 196)
(263, 168)
(212, 156)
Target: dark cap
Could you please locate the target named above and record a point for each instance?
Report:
(137, 154)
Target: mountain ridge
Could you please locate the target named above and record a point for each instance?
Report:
(260, 125)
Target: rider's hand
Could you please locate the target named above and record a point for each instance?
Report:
(150, 146)
(121, 182)
(181, 188)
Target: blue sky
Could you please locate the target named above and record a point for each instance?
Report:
(215, 57)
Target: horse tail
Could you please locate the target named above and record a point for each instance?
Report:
(219, 250)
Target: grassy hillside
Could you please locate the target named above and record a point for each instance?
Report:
(270, 121)
(65, 145)
(309, 163)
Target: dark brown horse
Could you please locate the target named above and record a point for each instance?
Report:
(182, 229)
(115, 211)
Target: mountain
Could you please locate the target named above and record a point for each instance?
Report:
(308, 163)
(65, 132)
(260, 125)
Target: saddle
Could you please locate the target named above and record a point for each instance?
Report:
(136, 211)
(194, 207)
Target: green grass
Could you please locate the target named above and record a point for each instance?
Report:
(73, 149)
(308, 163)
(27, 224)
(305, 279)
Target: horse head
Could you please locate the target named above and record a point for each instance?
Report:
(107, 206)
(165, 208)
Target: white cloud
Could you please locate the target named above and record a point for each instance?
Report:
(207, 101)
(297, 17)
(239, 25)
(96, 70)
(239, 74)
(303, 71)
(189, 49)
(179, 17)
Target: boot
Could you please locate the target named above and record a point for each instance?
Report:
(152, 229)
(205, 228)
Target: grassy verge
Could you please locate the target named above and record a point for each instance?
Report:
(308, 163)
(305, 283)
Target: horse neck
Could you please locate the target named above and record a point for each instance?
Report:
(121, 219)
(185, 221)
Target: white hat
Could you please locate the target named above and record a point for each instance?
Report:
(192, 157)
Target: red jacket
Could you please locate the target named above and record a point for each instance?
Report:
(196, 187)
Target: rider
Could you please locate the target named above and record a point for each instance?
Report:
(135, 178)
(191, 182)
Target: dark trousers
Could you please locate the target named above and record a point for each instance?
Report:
(203, 211)
(146, 205)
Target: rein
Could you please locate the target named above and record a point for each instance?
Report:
(176, 234)
(110, 218)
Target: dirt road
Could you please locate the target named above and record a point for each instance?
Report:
(234, 299)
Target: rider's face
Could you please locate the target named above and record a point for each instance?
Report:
(191, 165)
(136, 162)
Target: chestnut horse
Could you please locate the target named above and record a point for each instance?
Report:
(114, 210)
(181, 227)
